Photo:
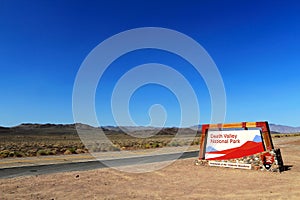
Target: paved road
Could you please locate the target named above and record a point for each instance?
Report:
(89, 165)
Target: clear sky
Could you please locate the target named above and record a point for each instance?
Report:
(255, 45)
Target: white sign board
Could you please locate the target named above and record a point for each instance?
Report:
(224, 145)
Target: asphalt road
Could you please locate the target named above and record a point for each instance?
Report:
(89, 165)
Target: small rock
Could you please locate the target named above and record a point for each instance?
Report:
(67, 152)
(78, 151)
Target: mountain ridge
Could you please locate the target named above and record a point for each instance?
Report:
(275, 128)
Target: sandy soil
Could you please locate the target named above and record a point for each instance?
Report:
(180, 180)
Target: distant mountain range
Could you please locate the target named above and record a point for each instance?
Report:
(284, 129)
(67, 128)
(275, 128)
(30, 128)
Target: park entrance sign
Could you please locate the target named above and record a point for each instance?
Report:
(224, 145)
(246, 145)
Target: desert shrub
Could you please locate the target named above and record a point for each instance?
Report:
(147, 146)
(4, 153)
(103, 148)
(72, 150)
(51, 152)
(78, 151)
(62, 150)
(155, 145)
(174, 144)
(94, 148)
(114, 148)
(195, 141)
(11, 154)
(67, 152)
(55, 151)
(19, 154)
(42, 152)
(128, 143)
(32, 152)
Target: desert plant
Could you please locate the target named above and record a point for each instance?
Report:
(42, 152)
(19, 154)
(4, 153)
(11, 154)
(72, 150)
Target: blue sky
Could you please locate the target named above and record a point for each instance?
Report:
(255, 45)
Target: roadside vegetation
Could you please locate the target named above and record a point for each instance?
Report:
(20, 144)
(43, 140)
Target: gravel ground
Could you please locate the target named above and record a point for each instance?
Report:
(180, 180)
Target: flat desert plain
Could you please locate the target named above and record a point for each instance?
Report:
(180, 180)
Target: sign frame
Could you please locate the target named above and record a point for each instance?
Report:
(269, 159)
(264, 126)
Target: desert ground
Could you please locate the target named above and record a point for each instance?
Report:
(31, 140)
(180, 180)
